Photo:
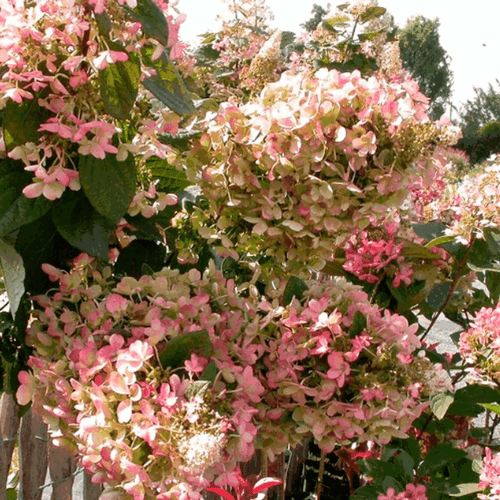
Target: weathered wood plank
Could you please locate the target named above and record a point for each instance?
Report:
(33, 456)
(62, 466)
(9, 425)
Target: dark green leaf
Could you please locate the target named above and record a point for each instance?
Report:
(492, 281)
(167, 85)
(103, 23)
(481, 258)
(21, 122)
(13, 274)
(390, 482)
(210, 372)
(430, 230)
(170, 179)
(139, 253)
(358, 324)
(15, 209)
(152, 20)
(119, 84)
(11, 494)
(468, 400)
(37, 243)
(438, 295)
(81, 225)
(180, 348)
(367, 493)
(440, 456)
(440, 403)
(379, 470)
(404, 460)
(414, 251)
(294, 288)
(181, 141)
(109, 184)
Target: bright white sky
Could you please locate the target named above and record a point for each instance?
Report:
(465, 27)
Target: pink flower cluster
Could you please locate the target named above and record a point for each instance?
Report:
(490, 476)
(480, 345)
(341, 370)
(335, 368)
(411, 492)
(370, 254)
(53, 51)
(469, 206)
(315, 158)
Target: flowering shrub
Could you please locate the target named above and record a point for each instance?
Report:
(165, 380)
(490, 476)
(411, 493)
(313, 159)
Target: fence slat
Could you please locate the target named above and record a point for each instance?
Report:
(33, 456)
(9, 425)
(91, 491)
(62, 466)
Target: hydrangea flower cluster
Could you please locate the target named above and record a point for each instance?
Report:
(411, 492)
(469, 206)
(315, 158)
(490, 476)
(258, 376)
(54, 53)
(480, 345)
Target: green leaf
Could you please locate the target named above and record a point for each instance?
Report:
(390, 482)
(81, 225)
(170, 179)
(358, 324)
(210, 372)
(197, 388)
(37, 243)
(379, 470)
(405, 461)
(494, 407)
(152, 20)
(139, 253)
(21, 122)
(15, 209)
(481, 258)
(440, 403)
(414, 251)
(294, 288)
(180, 348)
(440, 456)
(167, 85)
(109, 184)
(492, 281)
(11, 494)
(468, 400)
(461, 490)
(438, 295)
(439, 241)
(430, 230)
(13, 274)
(119, 84)
(372, 13)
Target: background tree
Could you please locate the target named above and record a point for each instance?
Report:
(424, 57)
(480, 122)
(317, 15)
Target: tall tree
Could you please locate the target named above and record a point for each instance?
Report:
(317, 15)
(424, 57)
(480, 122)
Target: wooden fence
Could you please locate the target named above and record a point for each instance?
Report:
(302, 472)
(36, 455)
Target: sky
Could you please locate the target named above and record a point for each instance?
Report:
(468, 31)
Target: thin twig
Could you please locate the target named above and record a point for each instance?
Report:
(453, 286)
(321, 471)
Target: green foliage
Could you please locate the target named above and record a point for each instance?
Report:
(13, 274)
(180, 348)
(109, 184)
(428, 62)
(171, 180)
(81, 225)
(119, 86)
(317, 15)
(294, 288)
